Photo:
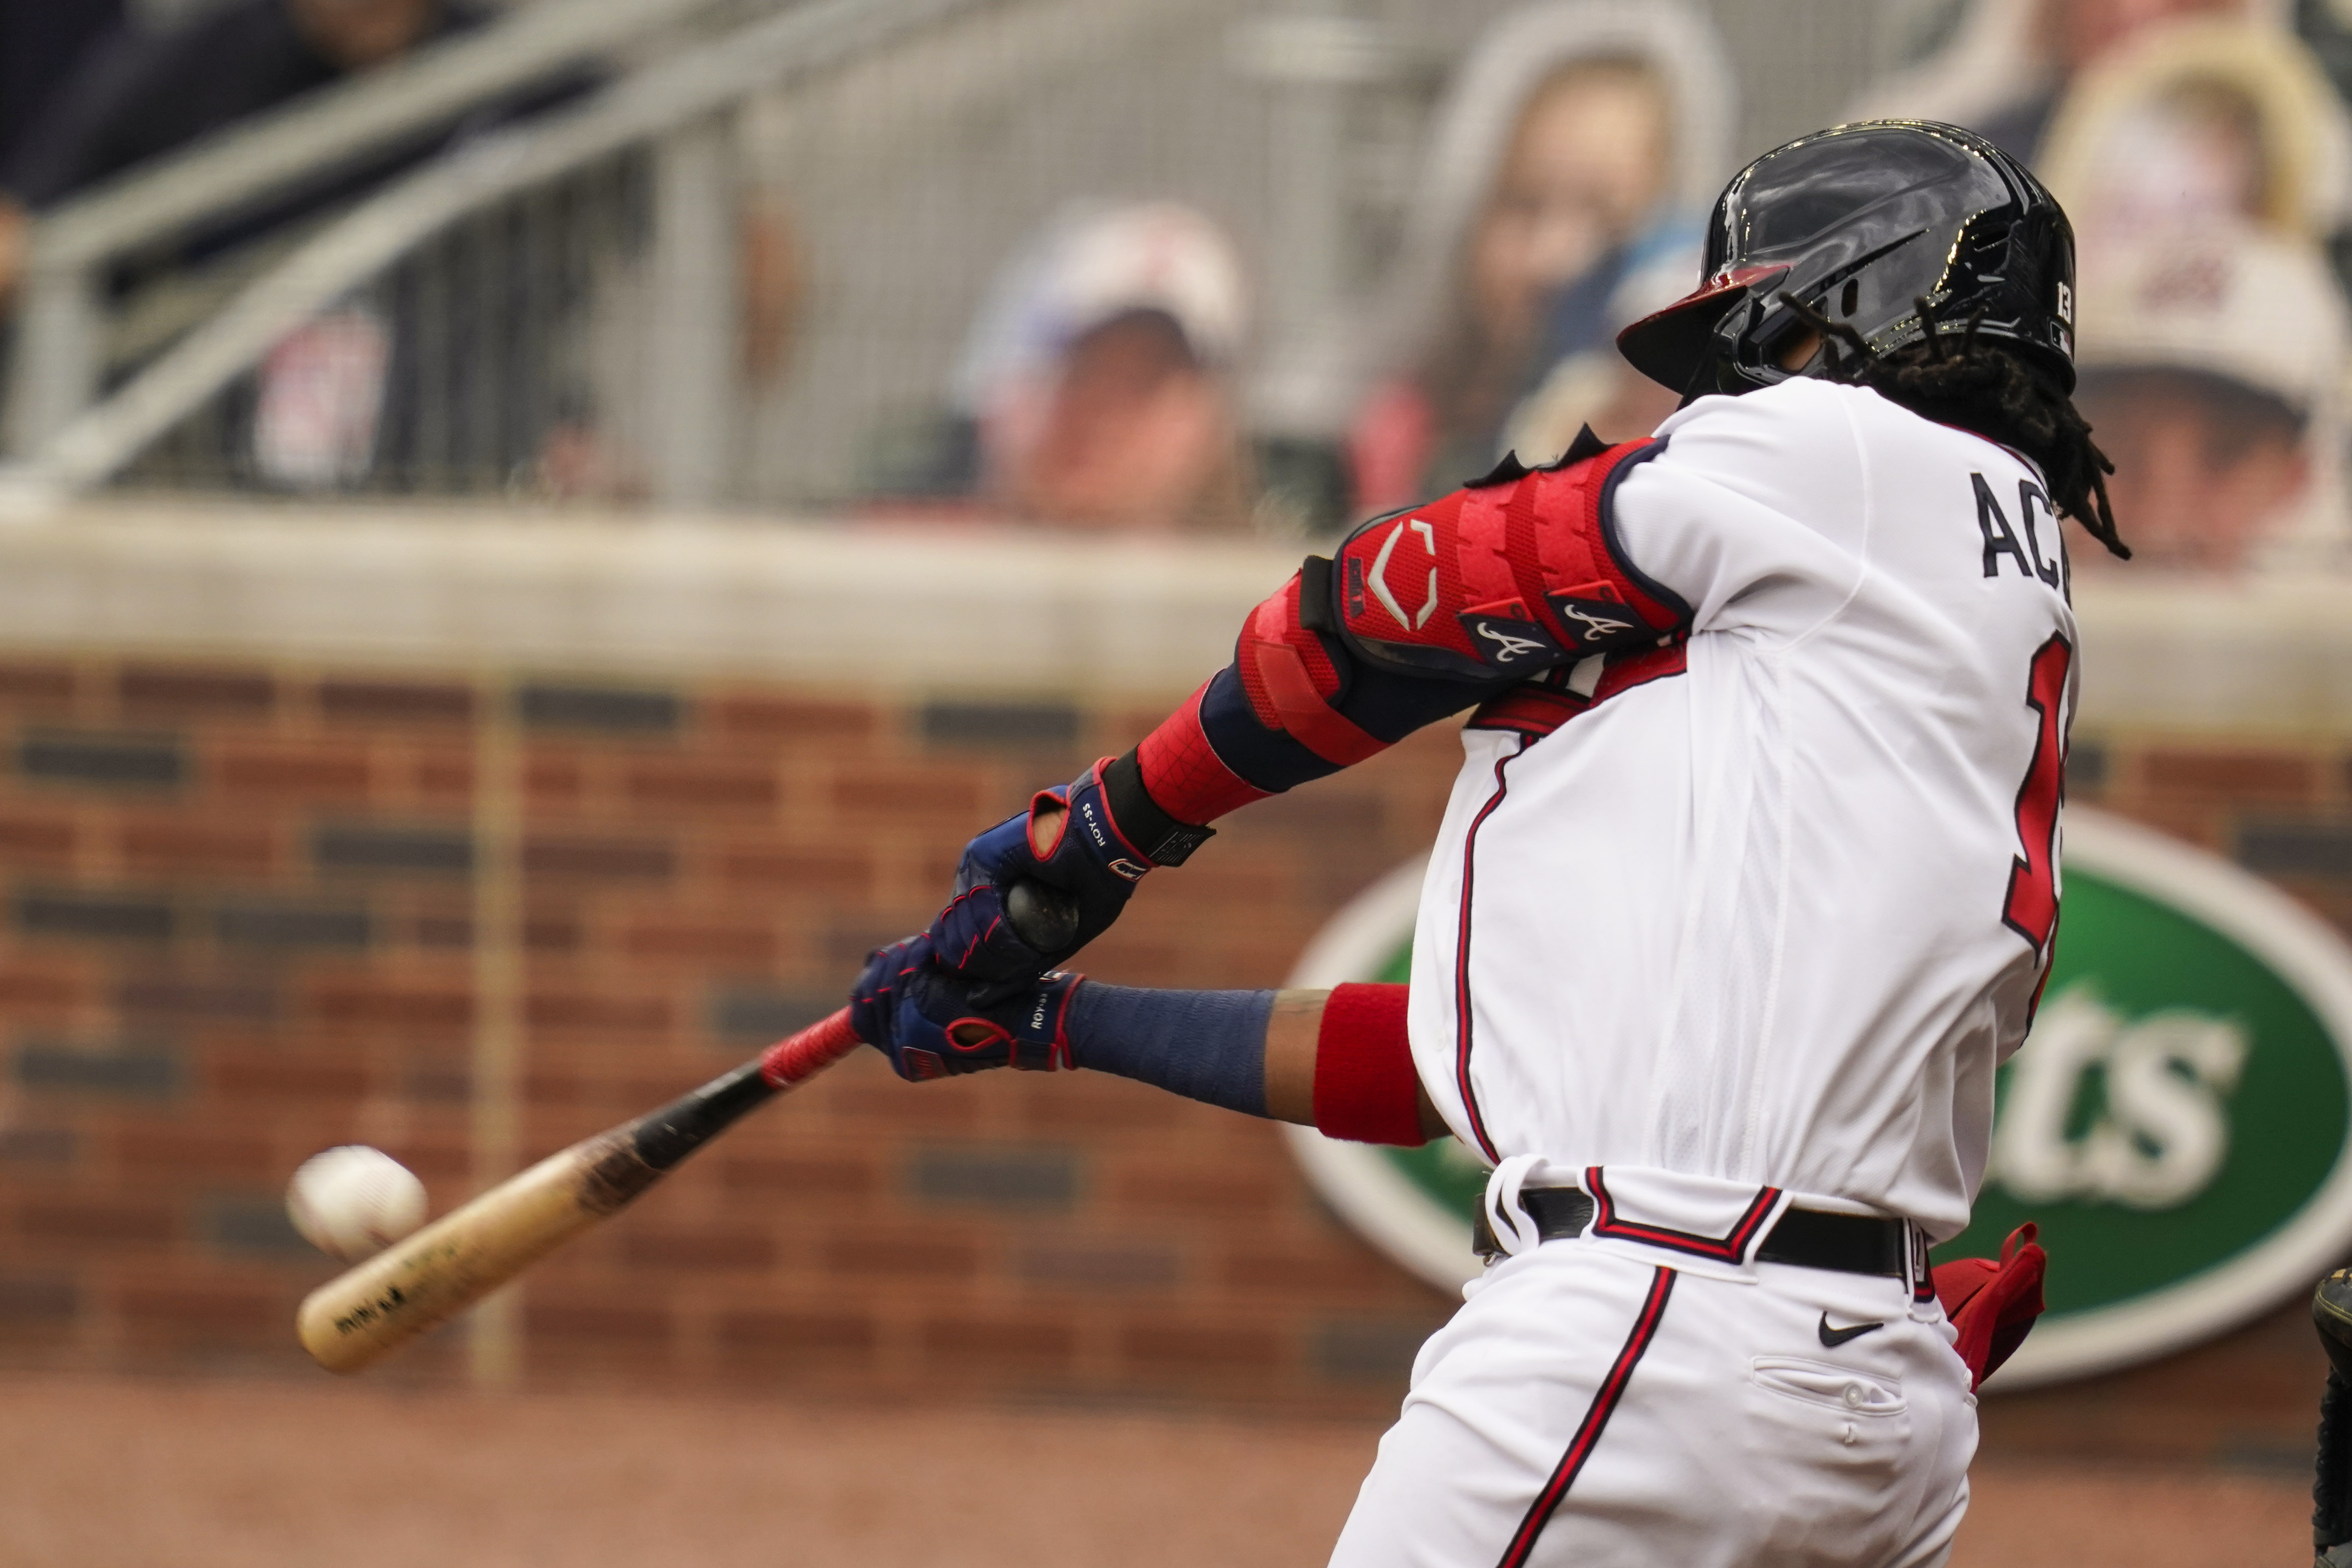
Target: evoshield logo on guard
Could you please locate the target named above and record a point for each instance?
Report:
(2179, 1124)
(1380, 589)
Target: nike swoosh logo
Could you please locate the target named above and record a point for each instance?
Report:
(1833, 1338)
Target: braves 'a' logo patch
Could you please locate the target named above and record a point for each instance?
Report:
(1504, 635)
(1595, 615)
(1508, 648)
(1595, 626)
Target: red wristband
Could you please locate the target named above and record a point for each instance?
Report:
(1366, 1089)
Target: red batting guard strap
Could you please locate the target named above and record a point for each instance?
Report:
(1365, 1087)
(1183, 773)
(1289, 676)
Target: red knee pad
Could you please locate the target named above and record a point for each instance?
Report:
(1366, 1089)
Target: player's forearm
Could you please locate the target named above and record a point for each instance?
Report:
(1337, 1060)
(1331, 670)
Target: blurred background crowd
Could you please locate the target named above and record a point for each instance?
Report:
(1155, 266)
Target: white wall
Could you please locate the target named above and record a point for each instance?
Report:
(858, 605)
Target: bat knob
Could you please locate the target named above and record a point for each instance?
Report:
(1046, 917)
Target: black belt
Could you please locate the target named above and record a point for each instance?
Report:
(1810, 1238)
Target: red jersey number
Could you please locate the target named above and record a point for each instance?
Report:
(2031, 909)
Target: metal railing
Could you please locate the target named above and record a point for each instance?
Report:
(588, 257)
(674, 104)
(61, 326)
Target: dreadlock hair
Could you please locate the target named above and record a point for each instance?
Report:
(1999, 394)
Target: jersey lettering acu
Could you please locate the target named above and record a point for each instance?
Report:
(1771, 904)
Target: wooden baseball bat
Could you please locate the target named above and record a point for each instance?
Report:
(375, 1307)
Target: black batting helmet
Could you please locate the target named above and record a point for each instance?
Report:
(1857, 223)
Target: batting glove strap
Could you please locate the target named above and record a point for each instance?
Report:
(931, 1024)
(1092, 860)
(1163, 841)
(1030, 1034)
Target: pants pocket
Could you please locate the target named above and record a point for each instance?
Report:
(1826, 1449)
(1859, 1393)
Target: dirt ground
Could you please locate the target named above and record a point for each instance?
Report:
(192, 1474)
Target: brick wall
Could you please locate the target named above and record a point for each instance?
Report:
(239, 891)
(239, 926)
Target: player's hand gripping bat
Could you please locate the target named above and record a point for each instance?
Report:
(372, 1309)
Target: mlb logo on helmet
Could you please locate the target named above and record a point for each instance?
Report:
(2179, 1122)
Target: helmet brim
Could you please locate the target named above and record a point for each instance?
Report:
(1670, 346)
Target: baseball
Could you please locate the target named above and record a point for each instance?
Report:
(350, 1201)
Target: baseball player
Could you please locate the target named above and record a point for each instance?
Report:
(1748, 886)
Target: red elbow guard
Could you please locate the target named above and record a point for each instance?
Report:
(1511, 575)
(1366, 1089)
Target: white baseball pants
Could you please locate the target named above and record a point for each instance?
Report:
(1592, 1407)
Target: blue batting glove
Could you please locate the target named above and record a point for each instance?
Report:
(1081, 852)
(931, 1024)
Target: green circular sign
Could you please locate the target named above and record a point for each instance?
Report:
(2178, 1123)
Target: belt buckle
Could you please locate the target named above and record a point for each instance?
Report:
(1482, 1236)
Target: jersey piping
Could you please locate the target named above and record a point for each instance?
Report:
(1463, 1010)
(1605, 514)
(1729, 1248)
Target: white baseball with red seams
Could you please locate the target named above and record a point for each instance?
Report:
(1769, 920)
(351, 1201)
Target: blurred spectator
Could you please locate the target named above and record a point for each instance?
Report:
(2008, 63)
(599, 293)
(2212, 369)
(2326, 29)
(2198, 123)
(348, 398)
(41, 43)
(1572, 154)
(1593, 384)
(2205, 163)
(141, 95)
(1094, 391)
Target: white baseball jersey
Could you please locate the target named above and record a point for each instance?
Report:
(1771, 914)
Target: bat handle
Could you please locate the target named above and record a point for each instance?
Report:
(809, 1052)
(1042, 917)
